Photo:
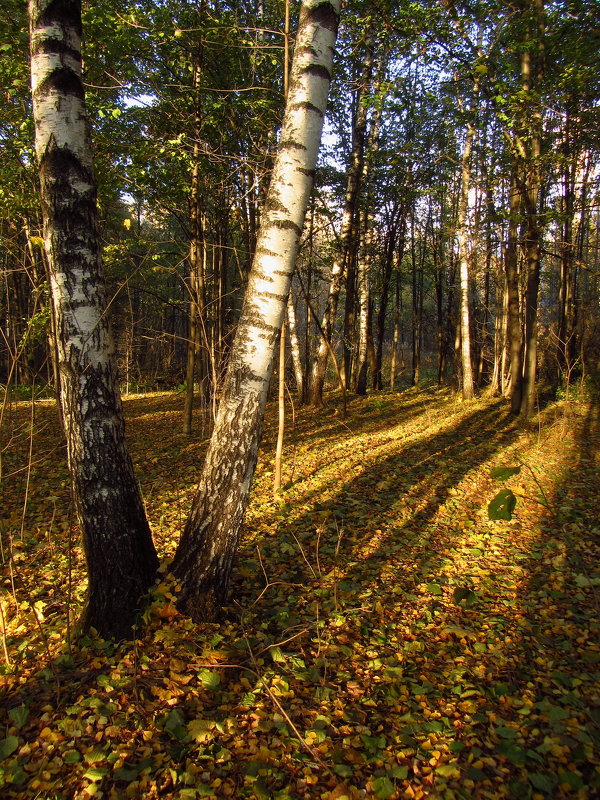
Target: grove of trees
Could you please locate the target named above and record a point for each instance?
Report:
(449, 231)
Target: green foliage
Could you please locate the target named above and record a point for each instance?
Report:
(501, 507)
(503, 473)
(8, 746)
(19, 715)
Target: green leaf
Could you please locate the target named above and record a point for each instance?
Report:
(72, 757)
(464, 593)
(174, 725)
(502, 506)
(448, 771)
(383, 788)
(8, 746)
(434, 588)
(556, 714)
(209, 679)
(572, 778)
(506, 733)
(276, 654)
(343, 770)
(201, 730)
(19, 715)
(543, 782)
(513, 752)
(400, 773)
(475, 774)
(96, 755)
(503, 473)
(95, 773)
(126, 773)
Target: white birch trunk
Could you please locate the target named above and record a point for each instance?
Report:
(295, 348)
(468, 390)
(366, 257)
(120, 555)
(204, 557)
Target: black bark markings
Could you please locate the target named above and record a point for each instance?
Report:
(265, 251)
(274, 204)
(290, 144)
(64, 12)
(63, 81)
(254, 320)
(307, 50)
(324, 15)
(286, 225)
(61, 161)
(308, 107)
(274, 295)
(50, 44)
(319, 70)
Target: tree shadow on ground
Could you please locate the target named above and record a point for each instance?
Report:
(397, 665)
(488, 622)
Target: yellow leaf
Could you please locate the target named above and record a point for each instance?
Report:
(201, 730)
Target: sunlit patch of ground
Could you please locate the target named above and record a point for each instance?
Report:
(384, 637)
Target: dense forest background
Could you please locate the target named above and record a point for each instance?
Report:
(408, 607)
(458, 174)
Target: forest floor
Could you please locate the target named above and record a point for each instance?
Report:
(385, 638)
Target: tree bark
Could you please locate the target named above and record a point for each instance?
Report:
(204, 557)
(319, 367)
(468, 389)
(397, 313)
(417, 305)
(295, 348)
(281, 414)
(531, 199)
(366, 351)
(197, 290)
(513, 314)
(120, 555)
(398, 224)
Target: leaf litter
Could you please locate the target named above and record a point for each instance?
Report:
(385, 637)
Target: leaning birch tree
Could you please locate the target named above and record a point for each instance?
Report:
(204, 557)
(120, 555)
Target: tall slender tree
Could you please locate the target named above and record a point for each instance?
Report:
(204, 557)
(120, 555)
(468, 388)
(339, 269)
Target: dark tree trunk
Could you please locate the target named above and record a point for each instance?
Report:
(513, 313)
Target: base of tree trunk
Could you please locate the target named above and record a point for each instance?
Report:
(200, 605)
(115, 615)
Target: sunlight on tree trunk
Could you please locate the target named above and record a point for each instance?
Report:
(204, 557)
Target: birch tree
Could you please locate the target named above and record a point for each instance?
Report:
(468, 389)
(204, 557)
(120, 555)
